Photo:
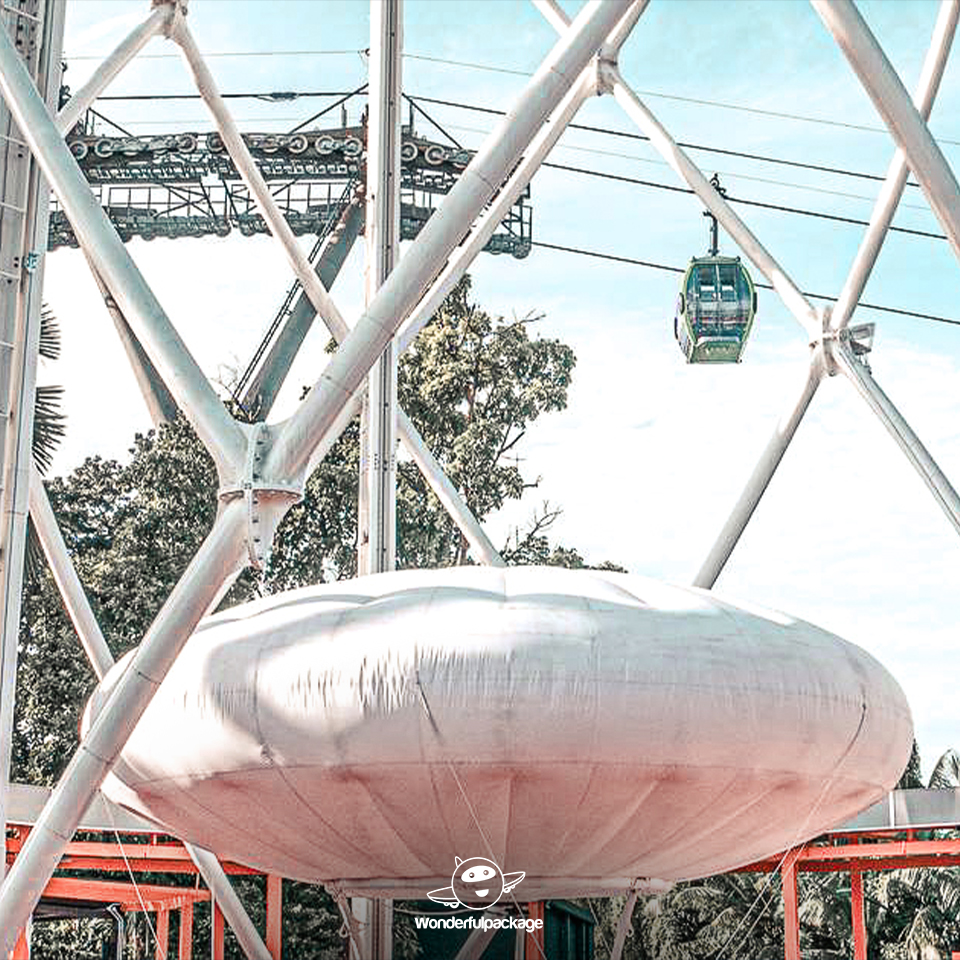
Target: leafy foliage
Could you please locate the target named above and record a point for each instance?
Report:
(472, 384)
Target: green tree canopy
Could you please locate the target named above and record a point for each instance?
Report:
(472, 384)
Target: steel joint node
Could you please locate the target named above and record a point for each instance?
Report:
(266, 500)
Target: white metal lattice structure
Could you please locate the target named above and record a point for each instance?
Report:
(262, 468)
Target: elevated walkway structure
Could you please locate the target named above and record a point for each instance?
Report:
(885, 836)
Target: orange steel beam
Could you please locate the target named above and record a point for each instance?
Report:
(185, 939)
(155, 898)
(859, 921)
(791, 917)
(534, 940)
(21, 949)
(109, 857)
(274, 915)
(216, 947)
(163, 933)
(816, 856)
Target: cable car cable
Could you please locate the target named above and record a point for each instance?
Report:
(633, 261)
(752, 203)
(627, 135)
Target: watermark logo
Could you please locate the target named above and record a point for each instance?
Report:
(477, 884)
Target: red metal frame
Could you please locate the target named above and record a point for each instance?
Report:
(158, 855)
(856, 853)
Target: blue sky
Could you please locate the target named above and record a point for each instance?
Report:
(651, 453)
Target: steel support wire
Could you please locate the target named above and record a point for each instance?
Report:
(158, 21)
(741, 234)
(892, 190)
(218, 561)
(893, 103)
(760, 478)
(98, 653)
(219, 432)
(440, 235)
(901, 431)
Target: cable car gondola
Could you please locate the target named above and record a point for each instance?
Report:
(715, 308)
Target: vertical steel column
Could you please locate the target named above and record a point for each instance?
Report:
(274, 932)
(318, 413)
(378, 520)
(533, 940)
(162, 933)
(857, 916)
(185, 937)
(377, 501)
(216, 932)
(37, 37)
(791, 918)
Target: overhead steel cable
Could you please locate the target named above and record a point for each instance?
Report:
(628, 135)
(819, 214)
(649, 264)
(475, 108)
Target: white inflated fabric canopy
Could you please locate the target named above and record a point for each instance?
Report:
(585, 727)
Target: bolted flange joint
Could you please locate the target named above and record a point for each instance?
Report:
(856, 342)
(266, 500)
(606, 69)
(178, 12)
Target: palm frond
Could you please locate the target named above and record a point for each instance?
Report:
(34, 559)
(49, 426)
(946, 772)
(49, 334)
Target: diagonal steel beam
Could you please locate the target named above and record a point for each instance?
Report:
(795, 301)
(65, 576)
(265, 384)
(901, 431)
(487, 223)
(442, 232)
(101, 659)
(217, 429)
(760, 478)
(688, 171)
(158, 22)
(892, 101)
(216, 564)
(892, 190)
(253, 178)
(623, 924)
(863, 263)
